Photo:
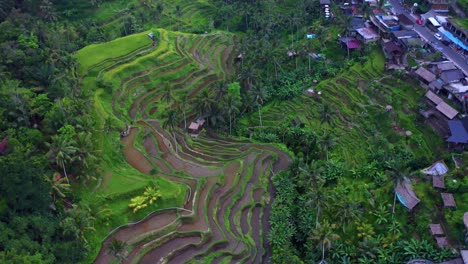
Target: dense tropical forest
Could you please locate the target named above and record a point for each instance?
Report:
(97, 103)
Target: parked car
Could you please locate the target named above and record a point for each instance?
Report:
(419, 21)
(437, 36)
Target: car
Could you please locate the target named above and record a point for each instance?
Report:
(419, 21)
(437, 36)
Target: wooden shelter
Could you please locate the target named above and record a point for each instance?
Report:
(425, 75)
(448, 200)
(447, 110)
(406, 195)
(436, 230)
(438, 181)
(195, 127)
(442, 242)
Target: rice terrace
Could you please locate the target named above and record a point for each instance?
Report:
(231, 131)
(226, 191)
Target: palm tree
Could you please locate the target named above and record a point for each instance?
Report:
(231, 106)
(318, 197)
(62, 151)
(117, 249)
(324, 236)
(58, 185)
(259, 96)
(327, 142)
(204, 102)
(182, 107)
(167, 93)
(397, 171)
(170, 121)
(85, 151)
(326, 114)
(348, 212)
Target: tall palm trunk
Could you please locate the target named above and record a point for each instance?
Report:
(323, 251)
(185, 121)
(65, 171)
(260, 116)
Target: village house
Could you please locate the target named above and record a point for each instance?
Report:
(440, 6)
(196, 127)
(367, 35)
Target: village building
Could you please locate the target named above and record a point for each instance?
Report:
(440, 6)
(448, 200)
(458, 30)
(196, 127)
(424, 75)
(367, 35)
(458, 131)
(406, 195)
(405, 22)
(393, 52)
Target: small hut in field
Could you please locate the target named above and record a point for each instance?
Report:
(195, 127)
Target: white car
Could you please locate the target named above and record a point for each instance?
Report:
(437, 36)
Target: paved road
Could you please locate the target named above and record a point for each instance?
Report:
(428, 36)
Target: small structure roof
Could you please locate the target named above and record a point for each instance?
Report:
(436, 230)
(324, 2)
(452, 76)
(393, 48)
(438, 181)
(436, 84)
(368, 33)
(458, 130)
(404, 20)
(351, 43)
(425, 74)
(445, 66)
(433, 97)
(406, 195)
(448, 200)
(442, 242)
(194, 126)
(403, 34)
(464, 255)
(458, 87)
(437, 168)
(447, 110)
(357, 22)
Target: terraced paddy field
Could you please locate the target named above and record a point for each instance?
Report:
(224, 214)
(357, 99)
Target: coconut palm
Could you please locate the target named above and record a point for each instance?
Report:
(62, 151)
(326, 114)
(259, 96)
(324, 237)
(170, 121)
(231, 106)
(204, 102)
(348, 212)
(319, 198)
(327, 142)
(182, 106)
(59, 186)
(167, 93)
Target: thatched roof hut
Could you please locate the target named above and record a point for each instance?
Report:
(436, 230)
(448, 200)
(406, 195)
(442, 242)
(438, 182)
